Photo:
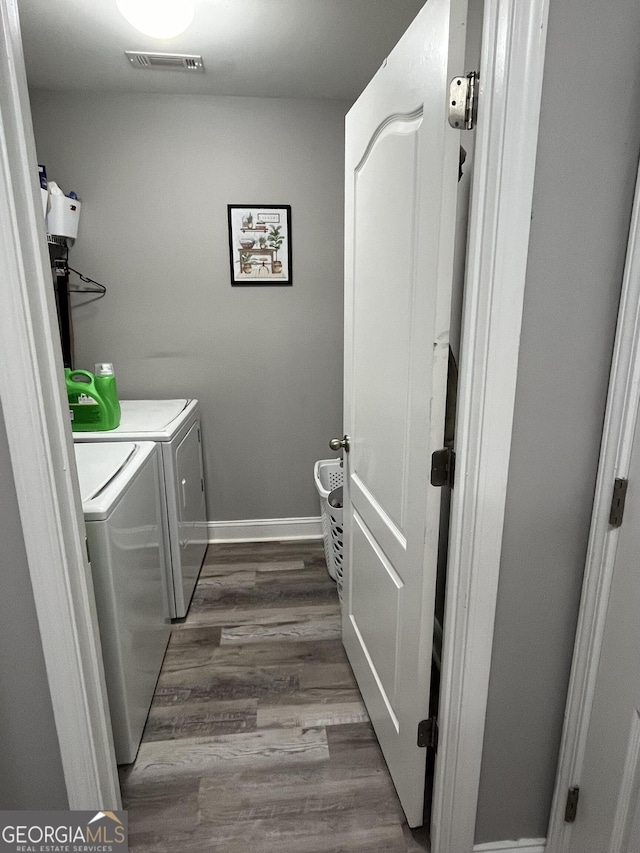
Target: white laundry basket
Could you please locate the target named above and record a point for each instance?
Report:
(328, 475)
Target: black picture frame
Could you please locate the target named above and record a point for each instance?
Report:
(260, 248)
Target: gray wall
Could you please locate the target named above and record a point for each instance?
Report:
(155, 174)
(30, 766)
(585, 175)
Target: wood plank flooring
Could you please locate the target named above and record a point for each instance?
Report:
(257, 740)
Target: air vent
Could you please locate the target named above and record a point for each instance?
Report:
(164, 61)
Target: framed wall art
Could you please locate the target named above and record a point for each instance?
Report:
(260, 244)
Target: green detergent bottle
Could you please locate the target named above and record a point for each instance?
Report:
(93, 400)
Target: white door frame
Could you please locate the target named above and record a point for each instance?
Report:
(513, 49)
(512, 63)
(39, 434)
(621, 418)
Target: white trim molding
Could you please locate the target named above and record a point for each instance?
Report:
(265, 529)
(39, 434)
(621, 418)
(525, 845)
(512, 63)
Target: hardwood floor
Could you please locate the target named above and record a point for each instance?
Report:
(257, 740)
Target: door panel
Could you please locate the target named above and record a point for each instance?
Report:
(377, 520)
(383, 253)
(400, 196)
(375, 583)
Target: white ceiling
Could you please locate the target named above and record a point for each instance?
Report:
(260, 48)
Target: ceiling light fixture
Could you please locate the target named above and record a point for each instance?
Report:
(160, 19)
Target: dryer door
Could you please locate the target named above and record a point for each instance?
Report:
(192, 522)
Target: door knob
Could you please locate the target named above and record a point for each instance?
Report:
(340, 444)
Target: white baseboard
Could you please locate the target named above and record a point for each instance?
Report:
(265, 529)
(525, 845)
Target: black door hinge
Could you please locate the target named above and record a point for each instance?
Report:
(617, 502)
(428, 734)
(571, 809)
(443, 467)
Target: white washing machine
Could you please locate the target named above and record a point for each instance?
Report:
(120, 489)
(175, 426)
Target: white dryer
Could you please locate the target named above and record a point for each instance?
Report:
(175, 426)
(120, 489)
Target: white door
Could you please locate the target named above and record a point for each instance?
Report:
(608, 819)
(401, 186)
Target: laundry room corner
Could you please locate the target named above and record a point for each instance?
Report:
(155, 174)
